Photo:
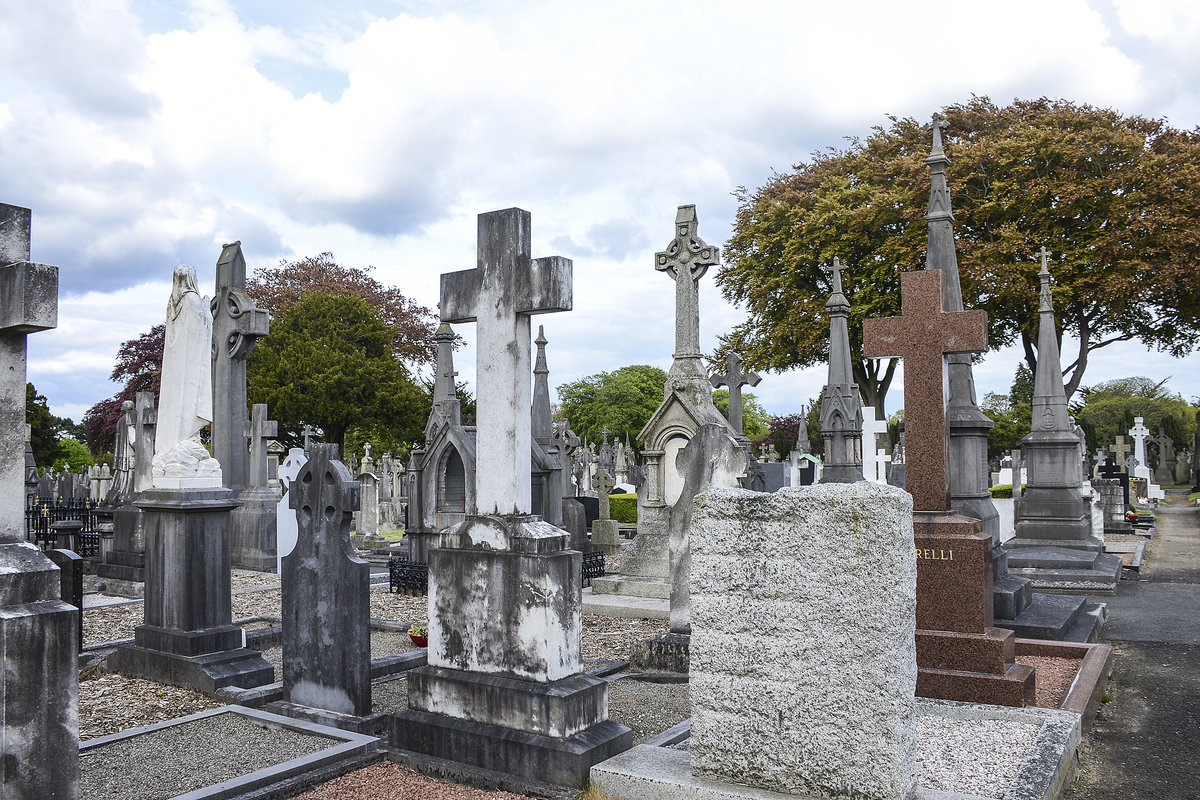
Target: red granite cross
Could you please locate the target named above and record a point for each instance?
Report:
(923, 335)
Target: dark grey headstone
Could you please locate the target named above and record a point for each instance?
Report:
(326, 600)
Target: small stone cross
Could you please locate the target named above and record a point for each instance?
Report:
(308, 433)
(881, 462)
(938, 123)
(923, 335)
(260, 431)
(735, 379)
(834, 271)
(686, 259)
(603, 484)
(500, 294)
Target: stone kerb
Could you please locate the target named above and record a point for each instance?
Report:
(839, 622)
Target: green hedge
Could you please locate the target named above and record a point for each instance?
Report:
(623, 508)
(1001, 490)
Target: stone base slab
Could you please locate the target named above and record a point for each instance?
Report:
(991, 652)
(1013, 688)
(1050, 616)
(666, 652)
(648, 772)
(543, 758)
(561, 708)
(206, 673)
(625, 606)
(657, 588)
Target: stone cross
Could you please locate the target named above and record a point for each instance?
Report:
(500, 295)
(686, 259)
(1139, 432)
(308, 433)
(923, 335)
(28, 303)
(881, 462)
(872, 429)
(603, 483)
(1120, 449)
(146, 419)
(565, 441)
(735, 379)
(260, 431)
(237, 325)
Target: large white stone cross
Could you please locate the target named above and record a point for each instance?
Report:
(28, 303)
(499, 296)
(1140, 432)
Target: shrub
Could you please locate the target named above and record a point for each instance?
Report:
(1002, 490)
(623, 508)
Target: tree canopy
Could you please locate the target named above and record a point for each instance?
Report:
(329, 362)
(411, 325)
(1107, 410)
(1011, 414)
(1116, 199)
(756, 422)
(139, 365)
(624, 400)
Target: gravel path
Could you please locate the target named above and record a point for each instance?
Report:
(205, 752)
(388, 781)
(647, 708)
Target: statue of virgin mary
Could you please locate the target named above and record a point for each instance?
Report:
(185, 397)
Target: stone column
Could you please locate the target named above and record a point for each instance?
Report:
(39, 689)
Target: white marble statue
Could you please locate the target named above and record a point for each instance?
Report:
(185, 398)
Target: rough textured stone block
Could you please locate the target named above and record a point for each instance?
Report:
(818, 584)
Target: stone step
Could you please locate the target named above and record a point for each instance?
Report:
(1049, 616)
(632, 585)
(1020, 558)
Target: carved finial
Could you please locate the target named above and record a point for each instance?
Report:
(938, 124)
(1045, 299)
(835, 272)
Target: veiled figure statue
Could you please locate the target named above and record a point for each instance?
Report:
(185, 398)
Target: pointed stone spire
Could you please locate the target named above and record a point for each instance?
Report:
(841, 407)
(968, 467)
(541, 422)
(445, 400)
(803, 446)
(1049, 396)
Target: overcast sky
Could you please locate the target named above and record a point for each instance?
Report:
(144, 134)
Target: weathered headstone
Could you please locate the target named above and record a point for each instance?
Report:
(238, 324)
(687, 405)
(507, 694)
(606, 535)
(39, 735)
(124, 567)
(254, 529)
(961, 654)
(326, 594)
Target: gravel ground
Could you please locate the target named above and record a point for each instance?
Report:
(978, 757)
(1053, 676)
(112, 703)
(135, 769)
(388, 781)
(647, 708)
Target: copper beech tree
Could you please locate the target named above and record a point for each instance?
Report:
(1115, 198)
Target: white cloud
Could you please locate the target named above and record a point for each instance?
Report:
(138, 151)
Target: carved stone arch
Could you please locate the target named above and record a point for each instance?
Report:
(451, 481)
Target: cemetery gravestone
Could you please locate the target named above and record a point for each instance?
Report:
(511, 696)
(188, 637)
(961, 655)
(39, 751)
(844, 717)
(326, 594)
(254, 525)
(238, 324)
(605, 534)
(841, 407)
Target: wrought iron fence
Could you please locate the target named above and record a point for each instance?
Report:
(40, 515)
(593, 566)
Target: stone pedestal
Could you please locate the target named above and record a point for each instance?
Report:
(508, 694)
(574, 522)
(254, 530)
(961, 655)
(39, 689)
(606, 537)
(645, 564)
(188, 637)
